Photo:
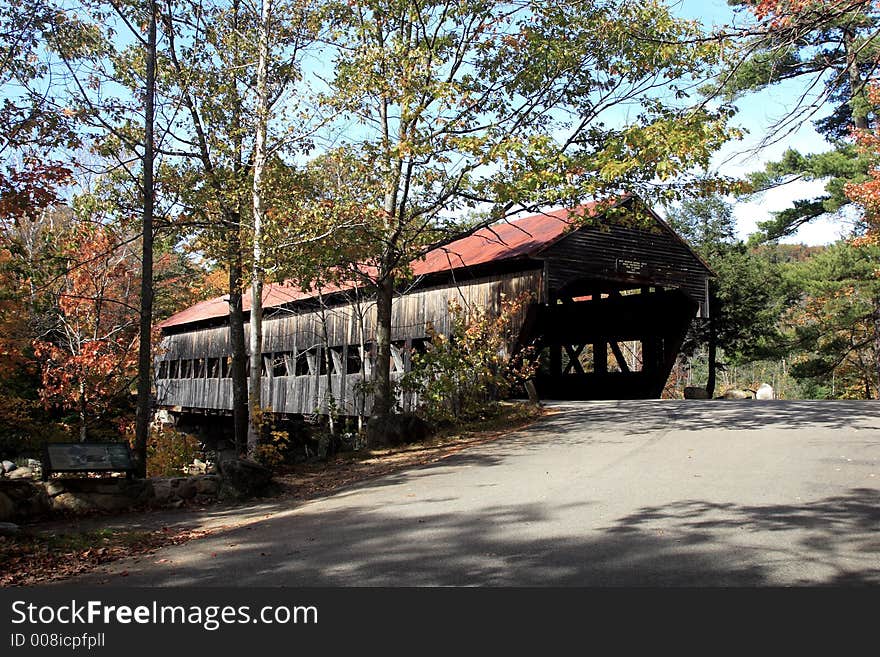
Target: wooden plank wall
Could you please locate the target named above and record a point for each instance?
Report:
(629, 256)
(344, 328)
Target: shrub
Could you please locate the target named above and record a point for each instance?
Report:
(461, 374)
(169, 451)
(274, 442)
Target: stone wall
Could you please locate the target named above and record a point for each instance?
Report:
(22, 500)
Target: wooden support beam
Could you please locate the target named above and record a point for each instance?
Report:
(338, 363)
(650, 354)
(396, 359)
(600, 357)
(618, 356)
(407, 354)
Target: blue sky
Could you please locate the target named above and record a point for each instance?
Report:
(756, 114)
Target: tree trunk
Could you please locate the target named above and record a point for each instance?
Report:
(382, 396)
(856, 84)
(877, 342)
(328, 366)
(145, 357)
(238, 375)
(257, 275)
(83, 428)
(255, 380)
(713, 356)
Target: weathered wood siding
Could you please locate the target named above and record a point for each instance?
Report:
(295, 339)
(629, 256)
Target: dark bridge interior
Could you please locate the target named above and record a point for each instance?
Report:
(613, 346)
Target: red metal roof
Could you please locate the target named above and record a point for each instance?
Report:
(503, 241)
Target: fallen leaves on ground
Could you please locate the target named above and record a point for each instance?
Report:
(33, 558)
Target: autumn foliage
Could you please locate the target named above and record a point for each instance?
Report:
(465, 370)
(89, 356)
(867, 193)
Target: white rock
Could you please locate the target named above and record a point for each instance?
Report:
(21, 473)
(764, 392)
(8, 466)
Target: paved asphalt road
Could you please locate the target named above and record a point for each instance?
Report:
(600, 493)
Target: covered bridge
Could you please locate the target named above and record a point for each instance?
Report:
(612, 301)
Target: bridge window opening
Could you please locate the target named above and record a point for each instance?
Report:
(301, 367)
(398, 357)
(336, 364)
(577, 359)
(625, 356)
(213, 368)
(162, 370)
(279, 365)
(353, 361)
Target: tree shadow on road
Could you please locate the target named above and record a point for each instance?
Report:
(646, 416)
(832, 541)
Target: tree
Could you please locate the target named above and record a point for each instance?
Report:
(145, 323)
(206, 52)
(240, 120)
(746, 293)
(832, 328)
(830, 47)
(257, 273)
(89, 355)
(467, 112)
(32, 120)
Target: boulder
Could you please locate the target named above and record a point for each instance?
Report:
(21, 473)
(209, 485)
(72, 502)
(163, 490)
(734, 393)
(29, 499)
(186, 489)
(244, 478)
(8, 466)
(695, 392)
(764, 391)
(396, 430)
(107, 494)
